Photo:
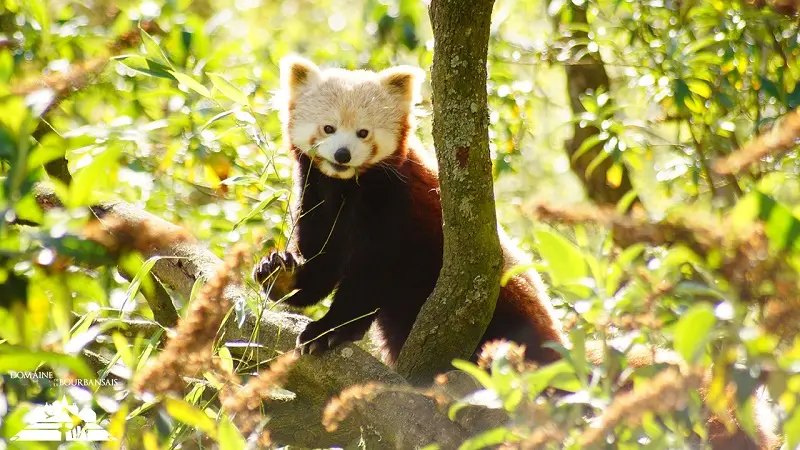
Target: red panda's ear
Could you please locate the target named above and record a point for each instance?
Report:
(297, 74)
(403, 81)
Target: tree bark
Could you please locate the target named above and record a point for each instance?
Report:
(587, 73)
(458, 311)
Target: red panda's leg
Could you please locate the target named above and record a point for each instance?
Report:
(347, 320)
(279, 274)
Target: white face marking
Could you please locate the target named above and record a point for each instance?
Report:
(347, 101)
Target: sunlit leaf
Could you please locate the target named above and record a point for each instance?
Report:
(227, 89)
(782, 226)
(560, 375)
(614, 174)
(145, 66)
(259, 208)
(565, 263)
(217, 117)
(191, 83)
(153, 49)
(141, 275)
(124, 350)
(489, 439)
(190, 415)
(693, 330)
(229, 437)
(479, 374)
(791, 429)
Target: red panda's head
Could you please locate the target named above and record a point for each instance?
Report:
(347, 121)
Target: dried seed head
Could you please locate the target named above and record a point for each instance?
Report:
(349, 400)
(190, 350)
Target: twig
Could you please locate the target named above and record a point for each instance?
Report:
(780, 139)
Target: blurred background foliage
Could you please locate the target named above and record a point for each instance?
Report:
(177, 119)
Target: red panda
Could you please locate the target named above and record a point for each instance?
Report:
(368, 214)
(368, 217)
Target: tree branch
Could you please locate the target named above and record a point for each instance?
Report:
(780, 139)
(314, 379)
(455, 316)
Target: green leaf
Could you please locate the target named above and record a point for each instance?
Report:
(225, 359)
(50, 148)
(39, 11)
(782, 226)
(624, 204)
(699, 87)
(620, 266)
(229, 437)
(479, 374)
(123, 349)
(588, 144)
(118, 423)
(489, 439)
(84, 250)
(577, 356)
(21, 359)
(260, 207)
(565, 263)
(227, 89)
(153, 49)
(791, 429)
(188, 414)
(142, 274)
(698, 45)
(614, 174)
(100, 172)
(692, 331)
(595, 163)
(560, 375)
(217, 117)
(145, 66)
(14, 422)
(486, 398)
(191, 83)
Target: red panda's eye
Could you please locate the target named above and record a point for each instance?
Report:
(329, 129)
(362, 133)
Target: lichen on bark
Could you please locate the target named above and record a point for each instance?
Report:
(458, 311)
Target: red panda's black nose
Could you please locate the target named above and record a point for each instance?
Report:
(342, 156)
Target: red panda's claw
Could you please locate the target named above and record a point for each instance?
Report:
(315, 347)
(278, 267)
(315, 339)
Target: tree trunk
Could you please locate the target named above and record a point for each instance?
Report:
(458, 311)
(588, 74)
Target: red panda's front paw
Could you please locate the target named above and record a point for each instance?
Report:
(275, 274)
(318, 338)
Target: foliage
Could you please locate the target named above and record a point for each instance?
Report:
(175, 117)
